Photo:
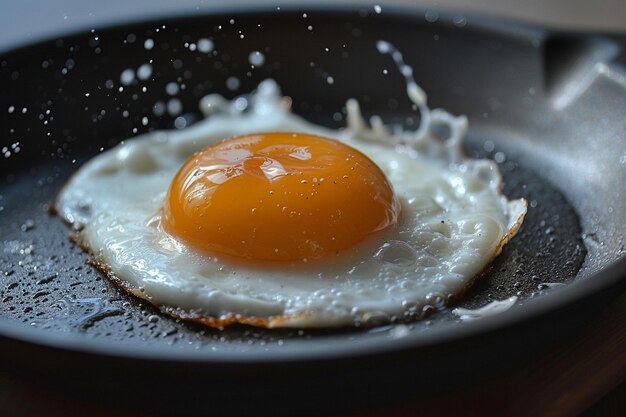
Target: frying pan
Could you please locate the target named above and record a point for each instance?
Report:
(547, 106)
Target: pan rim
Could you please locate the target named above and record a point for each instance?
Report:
(610, 279)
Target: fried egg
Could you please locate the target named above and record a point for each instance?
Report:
(256, 216)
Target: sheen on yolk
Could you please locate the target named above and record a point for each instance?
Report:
(278, 197)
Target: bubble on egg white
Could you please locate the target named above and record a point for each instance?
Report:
(454, 221)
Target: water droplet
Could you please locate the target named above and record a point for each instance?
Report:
(431, 17)
(489, 146)
(233, 83)
(550, 285)
(158, 108)
(172, 88)
(428, 310)
(169, 332)
(27, 225)
(256, 58)
(148, 44)
(47, 280)
(459, 21)
(144, 72)
(205, 45)
(85, 312)
(180, 122)
(174, 107)
(127, 76)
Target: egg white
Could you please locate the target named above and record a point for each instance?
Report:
(454, 222)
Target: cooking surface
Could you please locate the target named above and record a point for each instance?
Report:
(514, 118)
(48, 284)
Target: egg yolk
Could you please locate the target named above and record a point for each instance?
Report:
(278, 197)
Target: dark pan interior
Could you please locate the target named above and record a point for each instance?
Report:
(548, 107)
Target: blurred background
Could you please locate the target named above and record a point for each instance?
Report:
(25, 21)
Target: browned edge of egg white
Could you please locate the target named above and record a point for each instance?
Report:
(263, 322)
(218, 323)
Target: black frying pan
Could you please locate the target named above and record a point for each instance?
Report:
(549, 107)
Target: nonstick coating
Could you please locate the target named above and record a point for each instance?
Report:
(548, 107)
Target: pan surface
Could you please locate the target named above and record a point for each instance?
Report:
(547, 107)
